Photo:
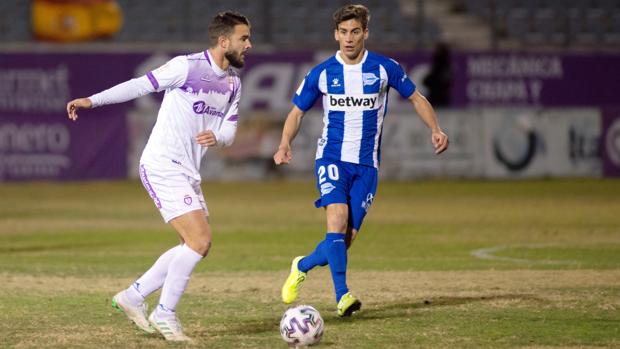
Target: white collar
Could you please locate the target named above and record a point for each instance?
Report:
(219, 71)
(351, 65)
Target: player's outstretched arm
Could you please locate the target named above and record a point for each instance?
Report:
(292, 124)
(120, 93)
(74, 105)
(427, 114)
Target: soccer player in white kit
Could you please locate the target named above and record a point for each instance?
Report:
(199, 110)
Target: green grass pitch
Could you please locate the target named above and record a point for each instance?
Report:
(438, 264)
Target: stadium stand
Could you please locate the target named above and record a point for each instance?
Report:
(277, 23)
(551, 22)
(13, 27)
(591, 24)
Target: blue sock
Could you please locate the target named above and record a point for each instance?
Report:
(335, 249)
(317, 257)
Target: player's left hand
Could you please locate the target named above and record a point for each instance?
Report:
(440, 141)
(284, 155)
(206, 138)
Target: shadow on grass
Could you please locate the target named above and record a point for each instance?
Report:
(249, 327)
(404, 309)
(375, 312)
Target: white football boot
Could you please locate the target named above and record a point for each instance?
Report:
(135, 313)
(169, 327)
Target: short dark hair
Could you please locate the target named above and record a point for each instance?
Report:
(345, 13)
(223, 24)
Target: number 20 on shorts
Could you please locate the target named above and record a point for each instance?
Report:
(331, 171)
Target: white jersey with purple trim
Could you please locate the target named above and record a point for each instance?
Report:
(199, 96)
(354, 104)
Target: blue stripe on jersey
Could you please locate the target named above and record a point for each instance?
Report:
(334, 75)
(381, 130)
(369, 126)
(360, 135)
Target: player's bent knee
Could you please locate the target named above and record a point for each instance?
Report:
(201, 246)
(337, 218)
(337, 223)
(337, 226)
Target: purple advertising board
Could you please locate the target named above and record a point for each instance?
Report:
(37, 141)
(547, 80)
(478, 79)
(610, 142)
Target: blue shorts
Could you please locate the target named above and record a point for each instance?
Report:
(342, 182)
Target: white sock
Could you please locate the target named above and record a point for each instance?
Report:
(179, 270)
(153, 279)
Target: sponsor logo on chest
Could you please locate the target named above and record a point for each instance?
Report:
(201, 108)
(352, 102)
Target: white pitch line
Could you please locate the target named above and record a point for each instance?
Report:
(488, 253)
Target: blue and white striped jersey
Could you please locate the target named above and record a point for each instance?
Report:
(354, 104)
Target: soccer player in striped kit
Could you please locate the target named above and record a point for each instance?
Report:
(354, 85)
(199, 111)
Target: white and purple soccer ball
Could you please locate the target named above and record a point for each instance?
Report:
(301, 326)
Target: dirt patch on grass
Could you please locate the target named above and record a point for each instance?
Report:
(89, 336)
(387, 294)
(385, 285)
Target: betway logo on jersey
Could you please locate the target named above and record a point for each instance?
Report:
(350, 102)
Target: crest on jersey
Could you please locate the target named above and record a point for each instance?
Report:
(187, 199)
(369, 78)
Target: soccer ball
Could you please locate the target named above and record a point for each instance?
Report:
(301, 326)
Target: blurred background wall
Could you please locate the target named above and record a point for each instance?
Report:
(524, 88)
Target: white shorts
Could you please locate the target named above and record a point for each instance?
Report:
(174, 193)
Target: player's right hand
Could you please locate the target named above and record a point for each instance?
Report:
(283, 155)
(74, 105)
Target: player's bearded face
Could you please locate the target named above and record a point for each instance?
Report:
(239, 45)
(235, 58)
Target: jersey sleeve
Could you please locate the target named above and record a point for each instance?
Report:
(170, 75)
(308, 91)
(122, 92)
(399, 80)
(225, 135)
